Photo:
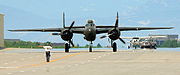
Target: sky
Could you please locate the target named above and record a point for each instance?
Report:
(25, 14)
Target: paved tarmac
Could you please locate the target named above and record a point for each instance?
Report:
(99, 62)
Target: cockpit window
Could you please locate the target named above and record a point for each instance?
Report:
(90, 24)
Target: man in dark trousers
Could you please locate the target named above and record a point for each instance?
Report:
(48, 52)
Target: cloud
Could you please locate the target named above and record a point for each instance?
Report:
(87, 9)
(144, 22)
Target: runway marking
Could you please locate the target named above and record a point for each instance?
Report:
(9, 73)
(43, 63)
(21, 71)
(33, 70)
(6, 63)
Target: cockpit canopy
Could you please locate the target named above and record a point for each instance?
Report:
(90, 21)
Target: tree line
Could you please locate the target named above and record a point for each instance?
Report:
(170, 44)
(29, 44)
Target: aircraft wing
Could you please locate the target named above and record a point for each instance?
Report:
(40, 30)
(128, 37)
(105, 29)
(74, 30)
(142, 28)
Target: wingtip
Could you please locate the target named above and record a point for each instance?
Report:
(10, 30)
(171, 27)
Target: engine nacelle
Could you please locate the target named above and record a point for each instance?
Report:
(66, 35)
(114, 34)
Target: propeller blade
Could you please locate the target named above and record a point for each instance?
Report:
(122, 40)
(117, 19)
(71, 25)
(109, 40)
(112, 42)
(70, 41)
(103, 36)
(63, 19)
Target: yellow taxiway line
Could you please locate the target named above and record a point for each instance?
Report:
(43, 63)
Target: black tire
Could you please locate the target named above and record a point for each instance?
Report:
(90, 48)
(66, 47)
(114, 47)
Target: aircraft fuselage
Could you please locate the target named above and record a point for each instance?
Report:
(90, 31)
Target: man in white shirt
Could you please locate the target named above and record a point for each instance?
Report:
(47, 50)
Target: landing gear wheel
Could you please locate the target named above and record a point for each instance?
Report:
(114, 46)
(66, 47)
(90, 47)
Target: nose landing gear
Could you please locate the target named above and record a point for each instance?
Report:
(90, 46)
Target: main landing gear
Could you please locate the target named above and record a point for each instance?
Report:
(114, 46)
(67, 46)
(90, 46)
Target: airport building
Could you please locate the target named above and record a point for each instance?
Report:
(161, 40)
(1, 30)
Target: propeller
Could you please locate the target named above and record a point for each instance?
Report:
(115, 29)
(116, 25)
(70, 41)
(66, 32)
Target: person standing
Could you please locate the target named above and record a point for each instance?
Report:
(48, 52)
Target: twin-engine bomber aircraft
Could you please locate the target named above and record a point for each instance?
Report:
(89, 31)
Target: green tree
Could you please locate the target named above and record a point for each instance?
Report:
(86, 45)
(99, 45)
(77, 45)
(48, 43)
(170, 43)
